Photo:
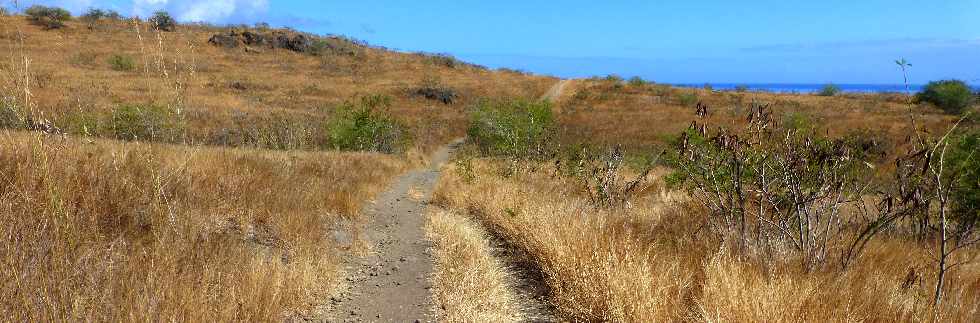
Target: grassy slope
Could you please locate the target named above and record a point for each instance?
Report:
(69, 74)
(602, 112)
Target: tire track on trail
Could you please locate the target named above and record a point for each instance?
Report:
(391, 283)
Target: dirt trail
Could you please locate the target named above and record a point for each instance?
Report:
(391, 283)
(554, 93)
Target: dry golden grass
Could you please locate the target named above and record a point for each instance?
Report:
(638, 117)
(651, 263)
(113, 231)
(598, 266)
(469, 283)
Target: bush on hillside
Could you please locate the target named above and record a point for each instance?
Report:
(335, 45)
(516, 128)
(432, 89)
(444, 60)
(10, 115)
(829, 90)
(162, 21)
(741, 88)
(47, 17)
(613, 78)
(365, 125)
(122, 63)
(953, 96)
(688, 99)
(964, 160)
(94, 15)
(145, 122)
(637, 81)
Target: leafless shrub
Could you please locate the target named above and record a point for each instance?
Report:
(769, 189)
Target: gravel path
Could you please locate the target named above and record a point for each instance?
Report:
(391, 283)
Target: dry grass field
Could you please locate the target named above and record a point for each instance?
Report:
(154, 176)
(653, 262)
(609, 112)
(114, 231)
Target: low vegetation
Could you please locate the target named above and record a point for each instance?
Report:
(94, 16)
(366, 125)
(122, 63)
(47, 17)
(952, 96)
(145, 122)
(829, 90)
(512, 128)
(162, 21)
(433, 89)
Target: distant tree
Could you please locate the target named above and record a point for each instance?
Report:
(92, 17)
(953, 96)
(47, 17)
(637, 81)
(113, 15)
(741, 88)
(614, 78)
(829, 90)
(162, 21)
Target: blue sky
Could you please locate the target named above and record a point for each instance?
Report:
(667, 41)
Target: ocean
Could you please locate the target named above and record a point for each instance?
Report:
(812, 88)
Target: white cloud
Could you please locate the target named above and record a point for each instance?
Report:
(217, 11)
(71, 5)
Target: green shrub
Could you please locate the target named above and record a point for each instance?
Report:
(687, 99)
(444, 60)
(953, 96)
(122, 63)
(964, 159)
(93, 15)
(145, 122)
(82, 123)
(517, 128)
(365, 125)
(798, 121)
(334, 45)
(10, 115)
(47, 17)
(613, 78)
(636, 81)
(741, 88)
(162, 21)
(829, 90)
